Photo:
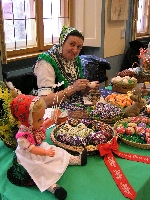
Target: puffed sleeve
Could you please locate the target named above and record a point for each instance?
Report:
(45, 77)
(24, 144)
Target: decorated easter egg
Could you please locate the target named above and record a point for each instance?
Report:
(92, 84)
(120, 129)
(130, 130)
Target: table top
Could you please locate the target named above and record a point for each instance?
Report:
(92, 182)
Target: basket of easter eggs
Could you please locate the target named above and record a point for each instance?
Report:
(134, 131)
(123, 84)
(77, 134)
(105, 112)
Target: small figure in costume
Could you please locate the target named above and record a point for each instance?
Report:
(44, 163)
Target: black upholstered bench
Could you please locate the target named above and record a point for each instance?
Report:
(21, 75)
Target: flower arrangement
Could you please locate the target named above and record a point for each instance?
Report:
(145, 59)
(8, 125)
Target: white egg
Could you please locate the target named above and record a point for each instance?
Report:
(92, 84)
(127, 77)
(125, 81)
(134, 79)
(113, 79)
(118, 79)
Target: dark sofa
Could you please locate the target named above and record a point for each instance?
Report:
(21, 75)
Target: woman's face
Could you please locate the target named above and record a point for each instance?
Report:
(38, 119)
(72, 47)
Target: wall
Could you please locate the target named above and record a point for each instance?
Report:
(112, 46)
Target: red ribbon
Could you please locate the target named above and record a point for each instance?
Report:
(107, 151)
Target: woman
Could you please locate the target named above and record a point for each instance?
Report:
(59, 71)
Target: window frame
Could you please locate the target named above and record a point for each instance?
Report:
(135, 34)
(147, 31)
(34, 51)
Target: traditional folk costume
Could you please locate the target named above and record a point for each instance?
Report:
(56, 73)
(45, 171)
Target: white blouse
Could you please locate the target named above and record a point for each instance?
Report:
(45, 77)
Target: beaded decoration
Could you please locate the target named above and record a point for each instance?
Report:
(54, 113)
(64, 32)
(57, 67)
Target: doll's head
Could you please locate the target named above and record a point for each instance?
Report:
(29, 110)
(38, 113)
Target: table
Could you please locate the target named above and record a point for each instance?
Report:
(90, 182)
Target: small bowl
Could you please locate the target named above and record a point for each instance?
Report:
(62, 120)
(63, 117)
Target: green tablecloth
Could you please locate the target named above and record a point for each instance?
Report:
(90, 182)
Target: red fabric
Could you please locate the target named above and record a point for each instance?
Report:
(29, 136)
(107, 151)
(39, 135)
(20, 108)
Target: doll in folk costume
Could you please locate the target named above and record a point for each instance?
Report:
(44, 163)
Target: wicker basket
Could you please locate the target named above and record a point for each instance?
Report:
(81, 114)
(121, 90)
(141, 78)
(110, 120)
(134, 144)
(124, 86)
(91, 149)
(126, 141)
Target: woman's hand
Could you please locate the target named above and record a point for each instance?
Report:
(80, 84)
(50, 152)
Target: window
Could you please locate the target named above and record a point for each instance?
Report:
(143, 18)
(32, 26)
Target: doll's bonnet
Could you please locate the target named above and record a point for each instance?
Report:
(22, 107)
